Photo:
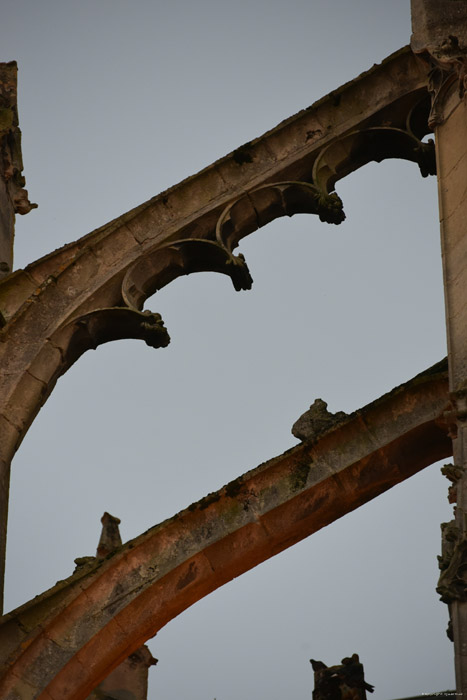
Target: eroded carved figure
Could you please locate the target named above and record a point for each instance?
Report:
(316, 421)
(342, 682)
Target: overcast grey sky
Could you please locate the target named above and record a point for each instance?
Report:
(119, 100)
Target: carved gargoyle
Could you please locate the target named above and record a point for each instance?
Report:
(453, 473)
(452, 584)
(316, 421)
(343, 682)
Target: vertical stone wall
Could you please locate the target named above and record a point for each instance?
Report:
(8, 125)
(451, 138)
(13, 198)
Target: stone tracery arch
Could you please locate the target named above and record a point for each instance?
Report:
(196, 225)
(93, 290)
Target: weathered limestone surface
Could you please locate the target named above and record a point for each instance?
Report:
(452, 160)
(439, 27)
(8, 122)
(66, 642)
(92, 291)
(62, 644)
(13, 198)
(452, 187)
(440, 35)
(129, 680)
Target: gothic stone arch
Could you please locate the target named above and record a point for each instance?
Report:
(92, 291)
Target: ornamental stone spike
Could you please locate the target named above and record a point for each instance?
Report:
(110, 539)
(130, 678)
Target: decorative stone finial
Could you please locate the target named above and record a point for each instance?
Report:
(110, 537)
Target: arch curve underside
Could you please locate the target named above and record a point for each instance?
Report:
(63, 643)
(93, 291)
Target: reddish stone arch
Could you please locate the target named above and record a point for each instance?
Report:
(63, 644)
(92, 291)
